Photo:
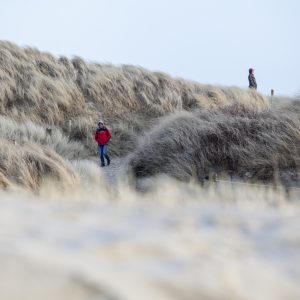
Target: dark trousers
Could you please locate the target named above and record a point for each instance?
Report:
(102, 150)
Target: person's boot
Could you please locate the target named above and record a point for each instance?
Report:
(102, 163)
(108, 161)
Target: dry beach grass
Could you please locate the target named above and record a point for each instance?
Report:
(177, 241)
(51, 91)
(191, 129)
(88, 233)
(236, 140)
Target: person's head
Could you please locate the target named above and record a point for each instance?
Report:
(251, 71)
(100, 124)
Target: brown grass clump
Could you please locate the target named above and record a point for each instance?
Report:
(29, 132)
(30, 165)
(235, 140)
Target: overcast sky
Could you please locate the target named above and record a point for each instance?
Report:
(211, 41)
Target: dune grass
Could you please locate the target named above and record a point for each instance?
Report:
(249, 144)
(237, 240)
(31, 165)
(49, 90)
(40, 92)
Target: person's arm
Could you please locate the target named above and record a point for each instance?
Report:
(108, 135)
(96, 136)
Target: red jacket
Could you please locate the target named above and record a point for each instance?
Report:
(102, 136)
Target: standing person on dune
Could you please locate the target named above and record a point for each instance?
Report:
(252, 80)
(102, 136)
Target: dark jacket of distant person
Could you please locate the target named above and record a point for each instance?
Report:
(252, 80)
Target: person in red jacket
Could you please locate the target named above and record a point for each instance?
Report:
(102, 136)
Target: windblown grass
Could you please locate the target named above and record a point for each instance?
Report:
(47, 90)
(31, 165)
(236, 140)
(29, 132)
(39, 91)
(175, 240)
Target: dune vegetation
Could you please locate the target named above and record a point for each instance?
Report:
(39, 91)
(143, 228)
(49, 108)
(260, 145)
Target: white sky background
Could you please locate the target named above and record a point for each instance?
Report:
(211, 41)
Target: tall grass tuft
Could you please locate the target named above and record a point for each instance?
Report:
(235, 140)
(32, 165)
